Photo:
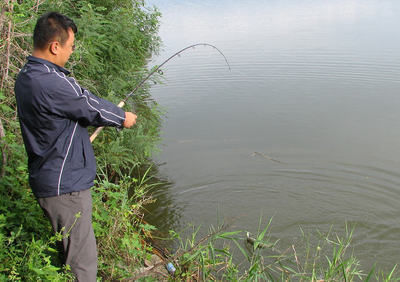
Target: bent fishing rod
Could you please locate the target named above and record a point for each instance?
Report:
(122, 103)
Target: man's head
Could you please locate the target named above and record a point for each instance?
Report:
(54, 37)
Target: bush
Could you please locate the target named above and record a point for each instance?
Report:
(114, 41)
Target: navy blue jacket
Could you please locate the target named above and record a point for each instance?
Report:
(54, 112)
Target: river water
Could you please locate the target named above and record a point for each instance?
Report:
(304, 128)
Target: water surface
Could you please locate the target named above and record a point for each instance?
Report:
(304, 128)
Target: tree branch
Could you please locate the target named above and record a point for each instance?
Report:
(5, 73)
(3, 151)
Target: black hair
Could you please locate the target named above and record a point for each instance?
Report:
(52, 26)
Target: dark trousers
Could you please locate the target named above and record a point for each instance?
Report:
(71, 214)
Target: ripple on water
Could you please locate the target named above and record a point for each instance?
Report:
(203, 66)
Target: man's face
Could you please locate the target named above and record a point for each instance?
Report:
(66, 50)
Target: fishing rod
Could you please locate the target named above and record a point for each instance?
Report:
(122, 103)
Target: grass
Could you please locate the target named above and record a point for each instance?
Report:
(224, 255)
(119, 227)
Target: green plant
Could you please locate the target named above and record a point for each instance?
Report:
(119, 225)
(213, 257)
(27, 249)
(114, 41)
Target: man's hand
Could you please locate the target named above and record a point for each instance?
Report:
(130, 120)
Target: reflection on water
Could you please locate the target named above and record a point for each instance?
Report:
(304, 127)
(163, 209)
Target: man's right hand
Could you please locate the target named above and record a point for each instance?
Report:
(130, 120)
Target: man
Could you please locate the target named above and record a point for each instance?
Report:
(54, 111)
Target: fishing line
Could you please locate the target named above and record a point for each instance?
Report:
(167, 60)
(122, 103)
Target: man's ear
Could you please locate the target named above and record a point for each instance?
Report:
(54, 47)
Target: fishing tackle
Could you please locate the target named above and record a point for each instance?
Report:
(122, 103)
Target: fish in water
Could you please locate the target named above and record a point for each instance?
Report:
(265, 156)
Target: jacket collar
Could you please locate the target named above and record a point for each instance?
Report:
(49, 64)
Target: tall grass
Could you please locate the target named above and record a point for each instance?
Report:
(118, 223)
(234, 256)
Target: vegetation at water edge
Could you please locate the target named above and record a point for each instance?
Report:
(114, 41)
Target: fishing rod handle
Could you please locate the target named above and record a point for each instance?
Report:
(99, 129)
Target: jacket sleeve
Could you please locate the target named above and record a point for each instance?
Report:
(66, 98)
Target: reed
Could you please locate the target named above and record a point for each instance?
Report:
(235, 256)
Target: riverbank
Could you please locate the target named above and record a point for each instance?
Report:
(224, 255)
(113, 44)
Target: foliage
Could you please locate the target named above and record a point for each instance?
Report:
(215, 257)
(113, 45)
(26, 242)
(119, 225)
(114, 41)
